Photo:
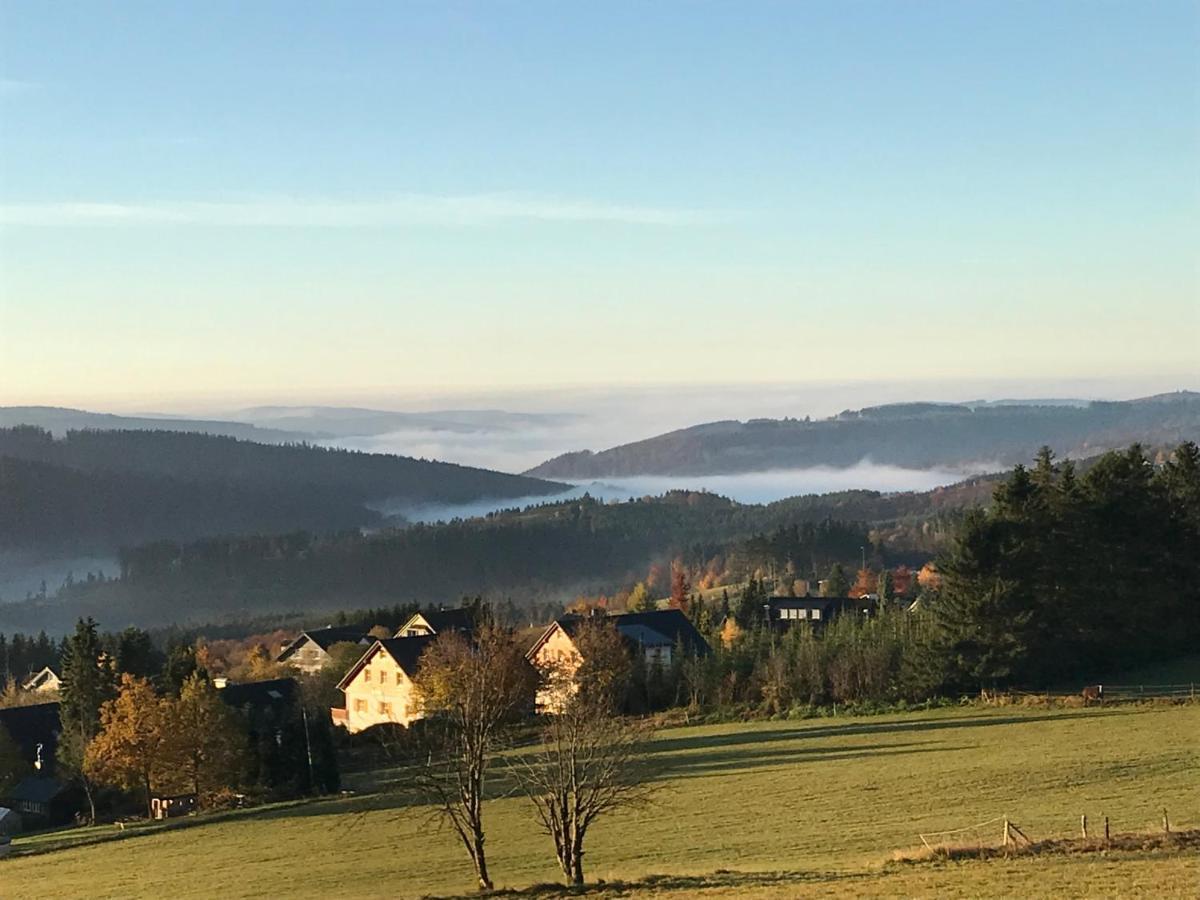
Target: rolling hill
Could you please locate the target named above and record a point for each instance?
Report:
(913, 435)
(98, 490)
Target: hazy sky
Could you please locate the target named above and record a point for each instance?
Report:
(301, 200)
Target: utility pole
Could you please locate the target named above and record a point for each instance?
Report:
(308, 748)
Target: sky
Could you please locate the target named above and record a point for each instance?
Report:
(209, 204)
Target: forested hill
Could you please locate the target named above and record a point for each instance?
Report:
(917, 435)
(545, 553)
(97, 490)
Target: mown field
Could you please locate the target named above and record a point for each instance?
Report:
(770, 809)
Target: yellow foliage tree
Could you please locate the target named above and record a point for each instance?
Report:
(130, 749)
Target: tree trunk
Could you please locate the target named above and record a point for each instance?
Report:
(149, 805)
(577, 855)
(485, 883)
(87, 789)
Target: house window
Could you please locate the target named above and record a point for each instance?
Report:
(360, 705)
(816, 614)
(366, 674)
(385, 709)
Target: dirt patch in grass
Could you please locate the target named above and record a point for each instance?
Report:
(1146, 842)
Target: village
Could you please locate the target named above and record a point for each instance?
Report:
(376, 679)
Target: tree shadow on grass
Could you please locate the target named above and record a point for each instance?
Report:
(731, 760)
(669, 745)
(721, 879)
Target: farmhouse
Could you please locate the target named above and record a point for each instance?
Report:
(45, 681)
(310, 651)
(379, 687)
(430, 622)
(655, 635)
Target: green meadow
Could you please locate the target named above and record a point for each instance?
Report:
(759, 809)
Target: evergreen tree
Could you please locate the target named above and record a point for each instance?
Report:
(87, 682)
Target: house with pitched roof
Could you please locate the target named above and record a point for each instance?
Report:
(438, 622)
(310, 651)
(380, 687)
(656, 635)
(45, 681)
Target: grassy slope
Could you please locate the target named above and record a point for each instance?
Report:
(820, 802)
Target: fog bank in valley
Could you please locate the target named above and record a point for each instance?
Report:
(747, 487)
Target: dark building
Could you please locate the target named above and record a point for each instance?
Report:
(784, 612)
(44, 802)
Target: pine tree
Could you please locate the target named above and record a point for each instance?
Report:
(87, 682)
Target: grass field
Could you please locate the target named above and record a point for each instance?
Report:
(770, 809)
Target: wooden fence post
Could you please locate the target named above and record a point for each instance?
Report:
(1006, 831)
(1166, 823)
(1083, 826)
(1106, 829)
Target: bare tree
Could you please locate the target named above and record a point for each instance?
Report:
(591, 761)
(469, 691)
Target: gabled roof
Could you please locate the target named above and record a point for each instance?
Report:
(655, 628)
(671, 623)
(38, 679)
(325, 638)
(405, 651)
(442, 620)
(258, 695)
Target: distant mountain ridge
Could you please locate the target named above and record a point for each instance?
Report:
(282, 424)
(59, 420)
(913, 435)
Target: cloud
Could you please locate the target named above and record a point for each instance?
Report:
(396, 210)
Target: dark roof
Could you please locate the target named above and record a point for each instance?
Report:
(36, 790)
(407, 651)
(656, 627)
(29, 726)
(670, 623)
(325, 638)
(273, 693)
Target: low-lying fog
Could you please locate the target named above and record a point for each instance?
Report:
(750, 487)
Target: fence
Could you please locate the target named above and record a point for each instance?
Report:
(982, 834)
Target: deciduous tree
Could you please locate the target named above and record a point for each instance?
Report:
(470, 691)
(129, 750)
(591, 762)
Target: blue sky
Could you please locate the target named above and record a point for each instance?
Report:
(276, 201)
